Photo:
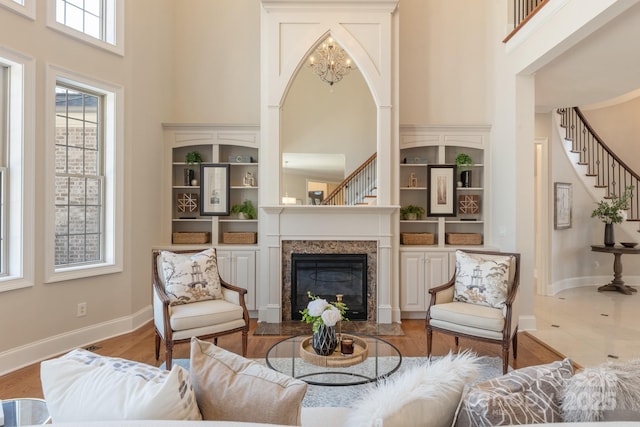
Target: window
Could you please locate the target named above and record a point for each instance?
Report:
(98, 22)
(17, 78)
(79, 179)
(84, 202)
(23, 7)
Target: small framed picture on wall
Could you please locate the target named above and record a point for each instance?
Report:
(562, 193)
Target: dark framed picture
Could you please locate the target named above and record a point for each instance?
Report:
(562, 205)
(441, 190)
(214, 189)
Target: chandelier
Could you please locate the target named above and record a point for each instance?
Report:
(330, 62)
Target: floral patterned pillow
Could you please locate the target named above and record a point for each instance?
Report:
(191, 277)
(482, 279)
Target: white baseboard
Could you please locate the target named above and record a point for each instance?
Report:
(37, 351)
(526, 323)
(579, 282)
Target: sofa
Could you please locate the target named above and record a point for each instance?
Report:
(221, 388)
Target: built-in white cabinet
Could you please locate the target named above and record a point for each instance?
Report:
(238, 267)
(419, 272)
(235, 148)
(455, 212)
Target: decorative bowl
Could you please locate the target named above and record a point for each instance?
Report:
(629, 244)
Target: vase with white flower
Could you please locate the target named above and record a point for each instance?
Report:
(323, 316)
(612, 211)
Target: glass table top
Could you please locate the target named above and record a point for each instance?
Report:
(383, 359)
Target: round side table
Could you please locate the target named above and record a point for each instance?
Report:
(23, 412)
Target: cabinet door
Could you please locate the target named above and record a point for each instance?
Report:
(437, 271)
(244, 267)
(412, 287)
(239, 268)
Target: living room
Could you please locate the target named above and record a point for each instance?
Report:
(202, 64)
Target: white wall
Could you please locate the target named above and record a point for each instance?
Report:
(42, 318)
(619, 127)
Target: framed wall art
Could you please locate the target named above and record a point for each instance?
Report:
(214, 189)
(562, 194)
(441, 190)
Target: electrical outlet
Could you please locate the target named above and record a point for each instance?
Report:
(82, 309)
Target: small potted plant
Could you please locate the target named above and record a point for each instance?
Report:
(411, 212)
(612, 211)
(191, 158)
(244, 210)
(464, 163)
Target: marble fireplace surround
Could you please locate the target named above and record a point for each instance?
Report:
(327, 229)
(368, 247)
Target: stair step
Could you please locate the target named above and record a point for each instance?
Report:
(633, 219)
(591, 174)
(583, 163)
(575, 151)
(600, 186)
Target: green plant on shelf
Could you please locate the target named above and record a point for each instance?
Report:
(463, 162)
(244, 210)
(411, 212)
(193, 157)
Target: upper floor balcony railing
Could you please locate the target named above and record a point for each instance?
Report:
(523, 11)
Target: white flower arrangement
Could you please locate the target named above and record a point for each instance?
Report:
(320, 312)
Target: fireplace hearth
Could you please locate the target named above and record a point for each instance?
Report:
(327, 275)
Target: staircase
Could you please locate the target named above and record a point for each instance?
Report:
(600, 165)
(359, 188)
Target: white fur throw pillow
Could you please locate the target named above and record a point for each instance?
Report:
(610, 391)
(425, 396)
(191, 277)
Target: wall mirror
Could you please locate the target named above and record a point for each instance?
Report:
(327, 131)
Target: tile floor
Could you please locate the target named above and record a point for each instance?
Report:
(588, 326)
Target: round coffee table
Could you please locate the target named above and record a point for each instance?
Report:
(383, 359)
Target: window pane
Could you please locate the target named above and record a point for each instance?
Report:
(93, 6)
(73, 18)
(62, 190)
(61, 159)
(79, 205)
(92, 25)
(62, 220)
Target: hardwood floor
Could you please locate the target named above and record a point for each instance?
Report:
(139, 346)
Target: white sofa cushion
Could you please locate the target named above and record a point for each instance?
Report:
(84, 386)
(230, 387)
(422, 396)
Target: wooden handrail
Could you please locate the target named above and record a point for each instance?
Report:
(340, 188)
(522, 23)
(609, 170)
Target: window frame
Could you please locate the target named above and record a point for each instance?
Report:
(113, 39)
(20, 188)
(28, 9)
(113, 156)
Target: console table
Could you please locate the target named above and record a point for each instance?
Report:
(617, 284)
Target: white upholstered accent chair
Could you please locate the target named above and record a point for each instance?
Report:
(175, 324)
(481, 322)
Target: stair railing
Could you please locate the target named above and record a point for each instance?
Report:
(358, 185)
(610, 172)
(523, 11)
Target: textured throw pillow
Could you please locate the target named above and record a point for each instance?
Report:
(425, 396)
(84, 386)
(232, 388)
(607, 392)
(529, 395)
(191, 277)
(482, 279)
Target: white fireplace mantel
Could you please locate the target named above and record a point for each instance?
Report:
(346, 223)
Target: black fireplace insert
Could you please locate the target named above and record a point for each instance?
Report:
(327, 275)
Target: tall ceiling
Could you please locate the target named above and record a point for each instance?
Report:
(603, 66)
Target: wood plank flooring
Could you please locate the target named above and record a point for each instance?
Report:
(139, 346)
